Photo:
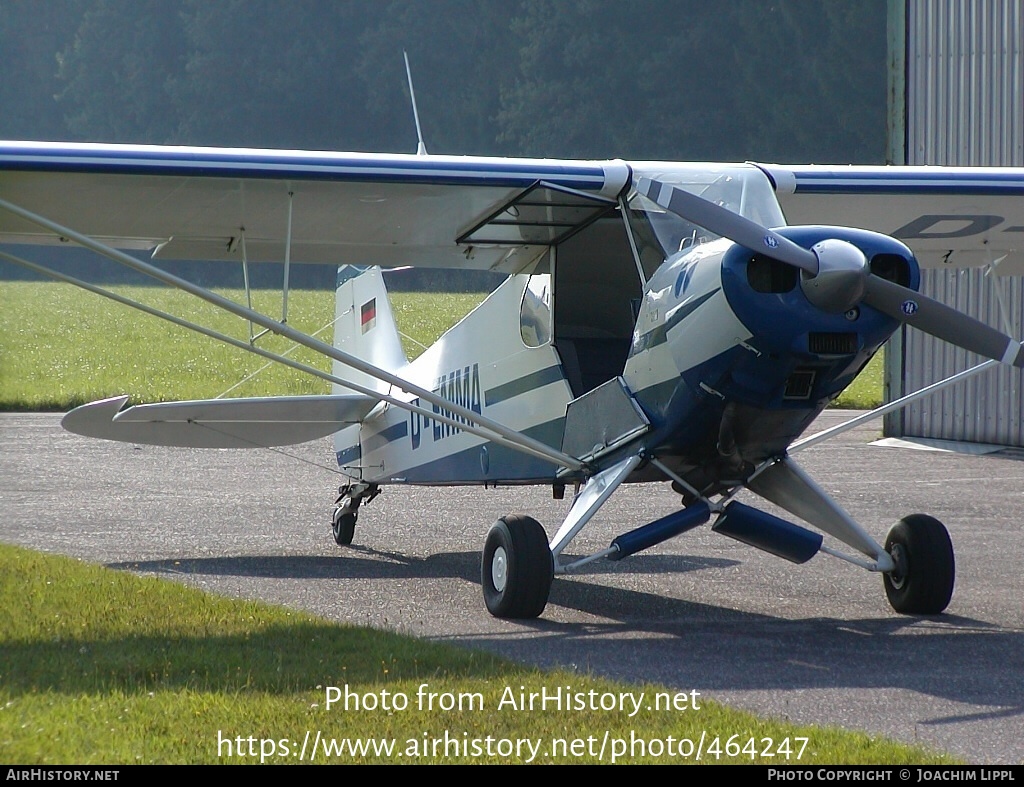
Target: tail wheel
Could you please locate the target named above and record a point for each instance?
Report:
(343, 527)
(343, 522)
(517, 568)
(922, 582)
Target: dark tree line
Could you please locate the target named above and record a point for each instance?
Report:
(790, 80)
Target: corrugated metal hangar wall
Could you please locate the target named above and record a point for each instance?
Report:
(957, 98)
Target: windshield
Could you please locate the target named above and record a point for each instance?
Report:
(741, 188)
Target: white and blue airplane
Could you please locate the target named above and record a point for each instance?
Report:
(661, 322)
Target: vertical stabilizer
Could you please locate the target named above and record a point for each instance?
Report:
(364, 326)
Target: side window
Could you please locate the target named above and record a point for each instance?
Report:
(535, 313)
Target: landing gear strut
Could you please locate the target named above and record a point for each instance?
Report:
(346, 510)
(922, 582)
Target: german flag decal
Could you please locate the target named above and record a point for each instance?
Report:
(368, 314)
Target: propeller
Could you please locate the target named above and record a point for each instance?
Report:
(836, 275)
(724, 222)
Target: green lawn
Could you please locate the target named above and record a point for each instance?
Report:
(102, 667)
(61, 347)
(865, 392)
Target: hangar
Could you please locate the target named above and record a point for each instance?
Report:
(956, 97)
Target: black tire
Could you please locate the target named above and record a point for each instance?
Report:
(922, 583)
(343, 524)
(517, 568)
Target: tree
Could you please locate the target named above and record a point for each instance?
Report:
(794, 79)
(30, 40)
(118, 70)
(270, 74)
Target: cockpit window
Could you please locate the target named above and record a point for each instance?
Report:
(659, 234)
(535, 314)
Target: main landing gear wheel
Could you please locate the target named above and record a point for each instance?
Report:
(922, 582)
(517, 568)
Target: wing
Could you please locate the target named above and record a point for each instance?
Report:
(962, 216)
(362, 209)
(356, 208)
(219, 423)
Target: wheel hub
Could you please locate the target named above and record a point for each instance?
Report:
(499, 569)
(898, 576)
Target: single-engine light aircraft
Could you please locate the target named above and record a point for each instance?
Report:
(660, 322)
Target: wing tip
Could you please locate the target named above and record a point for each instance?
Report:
(95, 418)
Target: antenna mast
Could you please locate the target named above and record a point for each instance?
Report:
(421, 149)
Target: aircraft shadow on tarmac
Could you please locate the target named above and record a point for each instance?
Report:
(721, 649)
(366, 563)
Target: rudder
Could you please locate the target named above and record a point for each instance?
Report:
(365, 326)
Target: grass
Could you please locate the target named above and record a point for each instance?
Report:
(865, 392)
(103, 667)
(61, 347)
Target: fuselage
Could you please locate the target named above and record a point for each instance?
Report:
(731, 362)
(728, 359)
(483, 364)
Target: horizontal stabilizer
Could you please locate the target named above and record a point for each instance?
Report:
(219, 423)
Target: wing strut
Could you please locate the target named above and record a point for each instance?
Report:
(287, 260)
(468, 420)
(896, 404)
(245, 278)
(287, 267)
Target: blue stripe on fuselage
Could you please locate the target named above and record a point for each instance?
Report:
(349, 456)
(522, 385)
(503, 464)
(378, 440)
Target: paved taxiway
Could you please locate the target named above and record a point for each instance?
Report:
(814, 643)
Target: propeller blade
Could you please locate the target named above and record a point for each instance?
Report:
(900, 303)
(941, 321)
(724, 222)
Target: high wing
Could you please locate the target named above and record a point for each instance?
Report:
(220, 423)
(959, 216)
(392, 210)
(356, 208)
(435, 211)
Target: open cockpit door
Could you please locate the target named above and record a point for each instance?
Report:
(595, 288)
(542, 215)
